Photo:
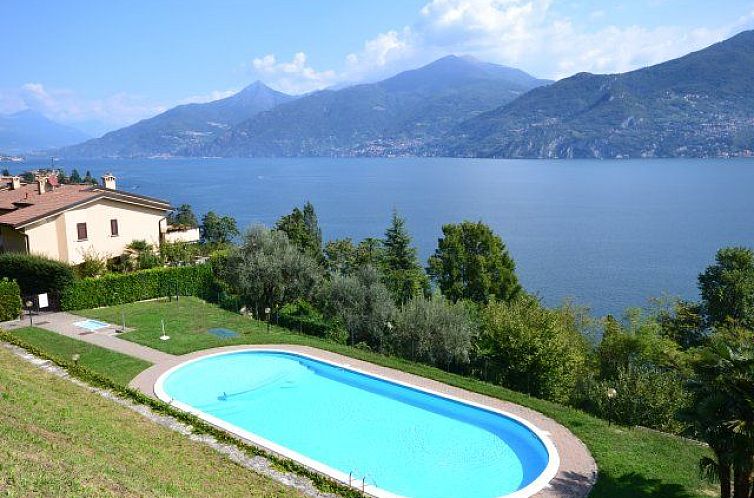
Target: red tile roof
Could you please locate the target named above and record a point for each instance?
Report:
(25, 205)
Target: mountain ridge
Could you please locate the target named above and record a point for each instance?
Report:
(29, 131)
(698, 105)
(395, 116)
(182, 128)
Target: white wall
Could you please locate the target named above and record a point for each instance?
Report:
(188, 235)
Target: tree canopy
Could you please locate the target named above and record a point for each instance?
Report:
(302, 228)
(183, 216)
(471, 262)
(402, 273)
(217, 229)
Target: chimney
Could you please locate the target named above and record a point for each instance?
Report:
(42, 184)
(15, 182)
(108, 181)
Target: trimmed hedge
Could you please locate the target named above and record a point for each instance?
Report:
(196, 424)
(114, 289)
(10, 300)
(36, 274)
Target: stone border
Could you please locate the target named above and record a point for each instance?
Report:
(576, 474)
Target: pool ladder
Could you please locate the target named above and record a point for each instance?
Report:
(354, 483)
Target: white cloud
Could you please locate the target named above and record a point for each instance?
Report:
(530, 34)
(209, 97)
(92, 114)
(296, 76)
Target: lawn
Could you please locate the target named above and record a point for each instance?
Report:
(59, 439)
(633, 463)
(117, 367)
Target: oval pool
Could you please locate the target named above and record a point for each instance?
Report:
(402, 440)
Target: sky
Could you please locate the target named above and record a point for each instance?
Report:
(103, 65)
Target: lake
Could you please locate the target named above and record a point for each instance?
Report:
(608, 234)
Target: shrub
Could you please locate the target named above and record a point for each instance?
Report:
(36, 274)
(93, 265)
(532, 349)
(300, 315)
(147, 284)
(10, 300)
(644, 396)
(435, 331)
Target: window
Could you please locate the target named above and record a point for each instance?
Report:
(114, 228)
(81, 230)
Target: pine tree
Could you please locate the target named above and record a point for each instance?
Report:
(403, 275)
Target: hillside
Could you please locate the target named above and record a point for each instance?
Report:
(396, 116)
(181, 129)
(28, 131)
(700, 105)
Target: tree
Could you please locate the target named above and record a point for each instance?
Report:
(471, 262)
(268, 271)
(722, 410)
(433, 331)
(302, 229)
(76, 176)
(369, 252)
(88, 178)
(361, 304)
(532, 349)
(218, 229)
(340, 256)
(183, 217)
(727, 288)
(62, 178)
(6, 172)
(402, 274)
(683, 322)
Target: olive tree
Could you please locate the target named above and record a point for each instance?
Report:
(434, 331)
(362, 304)
(268, 271)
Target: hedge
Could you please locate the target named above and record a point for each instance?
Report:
(303, 317)
(196, 424)
(35, 274)
(10, 300)
(114, 289)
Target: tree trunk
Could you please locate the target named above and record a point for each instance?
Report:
(725, 488)
(742, 482)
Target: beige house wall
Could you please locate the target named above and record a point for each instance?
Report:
(57, 237)
(188, 235)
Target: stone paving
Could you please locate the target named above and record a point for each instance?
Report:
(577, 472)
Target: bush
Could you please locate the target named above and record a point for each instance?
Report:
(532, 349)
(301, 316)
(36, 274)
(10, 300)
(435, 331)
(644, 396)
(147, 284)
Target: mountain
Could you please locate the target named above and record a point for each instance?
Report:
(699, 105)
(396, 116)
(28, 131)
(181, 129)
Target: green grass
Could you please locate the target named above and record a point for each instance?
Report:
(117, 367)
(58, 439)
(633, 463)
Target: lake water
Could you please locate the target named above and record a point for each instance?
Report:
(609, 234)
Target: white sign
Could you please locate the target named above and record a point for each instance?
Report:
(43, 301)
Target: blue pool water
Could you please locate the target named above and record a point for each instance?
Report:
(91, 325)
(404, 441)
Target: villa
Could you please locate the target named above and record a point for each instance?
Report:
(68, 221)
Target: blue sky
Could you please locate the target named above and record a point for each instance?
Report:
(101, 65)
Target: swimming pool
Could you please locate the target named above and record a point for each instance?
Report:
(91, 325)
(402, 440)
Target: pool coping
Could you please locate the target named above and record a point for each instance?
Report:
(571, 472)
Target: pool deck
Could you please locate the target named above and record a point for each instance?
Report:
(576, 474)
